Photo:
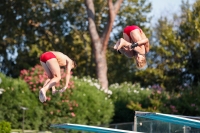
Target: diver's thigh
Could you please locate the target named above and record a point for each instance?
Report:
(126, 37)
(44, 65)
(136, 35)
(54, 67)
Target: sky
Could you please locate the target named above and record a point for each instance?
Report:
(165, 7)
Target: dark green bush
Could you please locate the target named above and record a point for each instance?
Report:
(5, 127)
(94, 106)
(81, 103)
(128, 98)
(186, 102)
(123, 95)
(16, 94)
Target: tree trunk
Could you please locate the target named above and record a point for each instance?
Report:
(99, 44)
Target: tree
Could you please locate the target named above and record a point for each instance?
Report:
(62, 26)
(167, 63)
(23, 35)
(175, 53)
(99, 44)
(189, 33)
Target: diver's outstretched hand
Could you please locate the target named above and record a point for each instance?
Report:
(63, 89)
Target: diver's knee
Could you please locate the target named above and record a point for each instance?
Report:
(57, 78)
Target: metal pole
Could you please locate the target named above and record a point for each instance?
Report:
(116, 126)
(151, 127)
(184, 129)
(23, 122)
(24, 109)
(170, 127)
(135, 123)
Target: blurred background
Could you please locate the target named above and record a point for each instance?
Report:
(170, 84)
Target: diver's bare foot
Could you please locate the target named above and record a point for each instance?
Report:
(42, 95)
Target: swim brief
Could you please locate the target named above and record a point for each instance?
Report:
(128, 29)
(47, 56)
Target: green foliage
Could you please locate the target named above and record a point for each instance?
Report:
(118, 64)
(85, 103)
(5, 127)
(81, 103)
(62, 25)
(128, 98)
(94, 106)
(122, 95)
(186, 102)
(174, 55)
(59, 108)
(134, 12)
(189, 32)
(16, 94)
(154, 102)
